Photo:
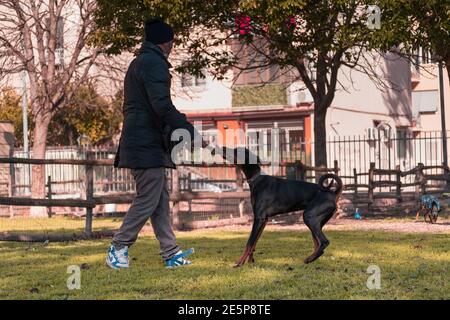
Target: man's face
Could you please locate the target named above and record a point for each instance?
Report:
(166, 48)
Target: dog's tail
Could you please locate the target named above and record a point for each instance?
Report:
(328, 187)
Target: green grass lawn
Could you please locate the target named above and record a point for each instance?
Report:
(56, 224)
(413, 266)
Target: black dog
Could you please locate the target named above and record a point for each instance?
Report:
(271, 196)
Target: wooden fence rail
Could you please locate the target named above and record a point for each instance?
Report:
(420, 182)
(177, 195)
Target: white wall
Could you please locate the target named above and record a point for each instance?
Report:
(214, 95)
(353, 110)
(429, 80)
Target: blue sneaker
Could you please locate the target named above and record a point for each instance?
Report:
(117, 259)
(179, 259)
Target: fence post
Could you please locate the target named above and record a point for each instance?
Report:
(398, 190)
(336, 168)
(446, 174)
(10, 190)
(302, 171)
(49, 194)
(421, 178)
(189, 182)
(417, 180)
(371, 187)
(355, 182)
(89, 185)
(240, 187)
(320, 172)
(189, 187)
(176, 202)
(299, 171)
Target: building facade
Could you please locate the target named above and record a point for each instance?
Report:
(250, 102)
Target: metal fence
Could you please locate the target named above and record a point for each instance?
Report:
(67, 180)
(352, 155)
(404, 151)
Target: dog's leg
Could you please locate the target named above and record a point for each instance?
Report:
(315, 241)
(322, 243)
(257, 229)
(322, 223)
(315, 218)
(250, 258)
(327, 218)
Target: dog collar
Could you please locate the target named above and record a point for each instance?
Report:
(252, 179)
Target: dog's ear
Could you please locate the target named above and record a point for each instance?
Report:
(258, 160)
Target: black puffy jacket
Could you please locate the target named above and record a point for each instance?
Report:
(147, 109)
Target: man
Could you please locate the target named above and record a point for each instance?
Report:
(148, 112)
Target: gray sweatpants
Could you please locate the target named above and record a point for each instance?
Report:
(151, 201)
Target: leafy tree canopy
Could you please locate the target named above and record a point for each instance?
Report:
(89, 115)
(11, 110)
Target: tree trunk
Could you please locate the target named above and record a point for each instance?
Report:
(447, 65)
(320, 140)
(38, 171)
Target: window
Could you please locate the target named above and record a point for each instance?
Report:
(287, 136)
(259, 141)
(188, 80)
(422, 56)
(274, 73)
(424, 101)
(253, 141)
(296, 144)
(253, 76)
(209, 135)
(199, 82)
(401, 142)
(254, 67)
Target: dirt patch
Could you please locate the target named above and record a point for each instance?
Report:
(407, 226)
(346, 224)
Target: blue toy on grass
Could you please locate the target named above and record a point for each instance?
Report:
(357, 214)
(430, 206)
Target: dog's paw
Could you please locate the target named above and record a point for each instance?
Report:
(239, 263)
(308, 260)
(313, 257)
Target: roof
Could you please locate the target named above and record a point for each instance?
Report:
(239, 114)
